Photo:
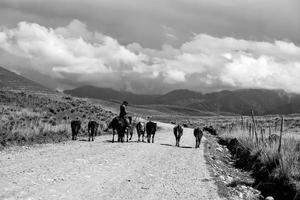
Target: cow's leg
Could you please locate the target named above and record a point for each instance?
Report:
(139, 136)
(113, 138)
(93, 133)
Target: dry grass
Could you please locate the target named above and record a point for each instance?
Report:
(289, 164)
(263, 157)
(30, 118)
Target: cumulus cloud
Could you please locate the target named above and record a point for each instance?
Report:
(73, 56)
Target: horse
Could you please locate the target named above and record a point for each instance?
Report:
(118, 125)
(151, 128)
(178, 131)
(198, 136)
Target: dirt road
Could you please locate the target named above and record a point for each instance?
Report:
(105, 170)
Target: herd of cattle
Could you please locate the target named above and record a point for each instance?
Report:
(144, 130)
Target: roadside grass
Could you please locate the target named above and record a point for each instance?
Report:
(24, 127)
(27, 119)
(276, 173)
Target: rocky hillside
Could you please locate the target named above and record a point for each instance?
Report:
(12, 81)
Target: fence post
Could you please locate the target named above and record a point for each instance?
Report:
(280, 137)
(262, 131)
(254, 126)
(242, 122)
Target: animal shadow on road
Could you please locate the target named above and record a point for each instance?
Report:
(83, 140)
(184, 147)
(110, 141)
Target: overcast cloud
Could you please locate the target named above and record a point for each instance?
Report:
(153, 47)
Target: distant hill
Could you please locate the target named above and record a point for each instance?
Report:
(110, 94)
(12, 81)
(262, 101)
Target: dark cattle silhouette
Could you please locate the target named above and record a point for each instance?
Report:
(198, 136)
(118, 126)
(151, 128)
(178, 131)
(75, 126)
(210, 129)
(92, 129)
(140, 129)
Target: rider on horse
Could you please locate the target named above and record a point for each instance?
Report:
(123, 113)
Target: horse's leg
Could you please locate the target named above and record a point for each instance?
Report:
(113, 138)
(123, 137)
(127, 134)
(153, 138)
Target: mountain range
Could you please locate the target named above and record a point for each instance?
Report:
(261, 101)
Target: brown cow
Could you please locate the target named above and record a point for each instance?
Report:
(178, 132)
(140, 129)
(92, 129)
(198, 136)
(75, 126)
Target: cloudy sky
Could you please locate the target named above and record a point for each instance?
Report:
(153, 46)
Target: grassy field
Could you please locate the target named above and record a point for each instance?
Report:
(38, 118)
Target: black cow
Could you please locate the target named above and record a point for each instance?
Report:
(178, 132)
(92, 129)
(140, 129)
(198, 136)
(151, 128)
(75, 126)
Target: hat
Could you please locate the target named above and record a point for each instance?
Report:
(125, 102)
